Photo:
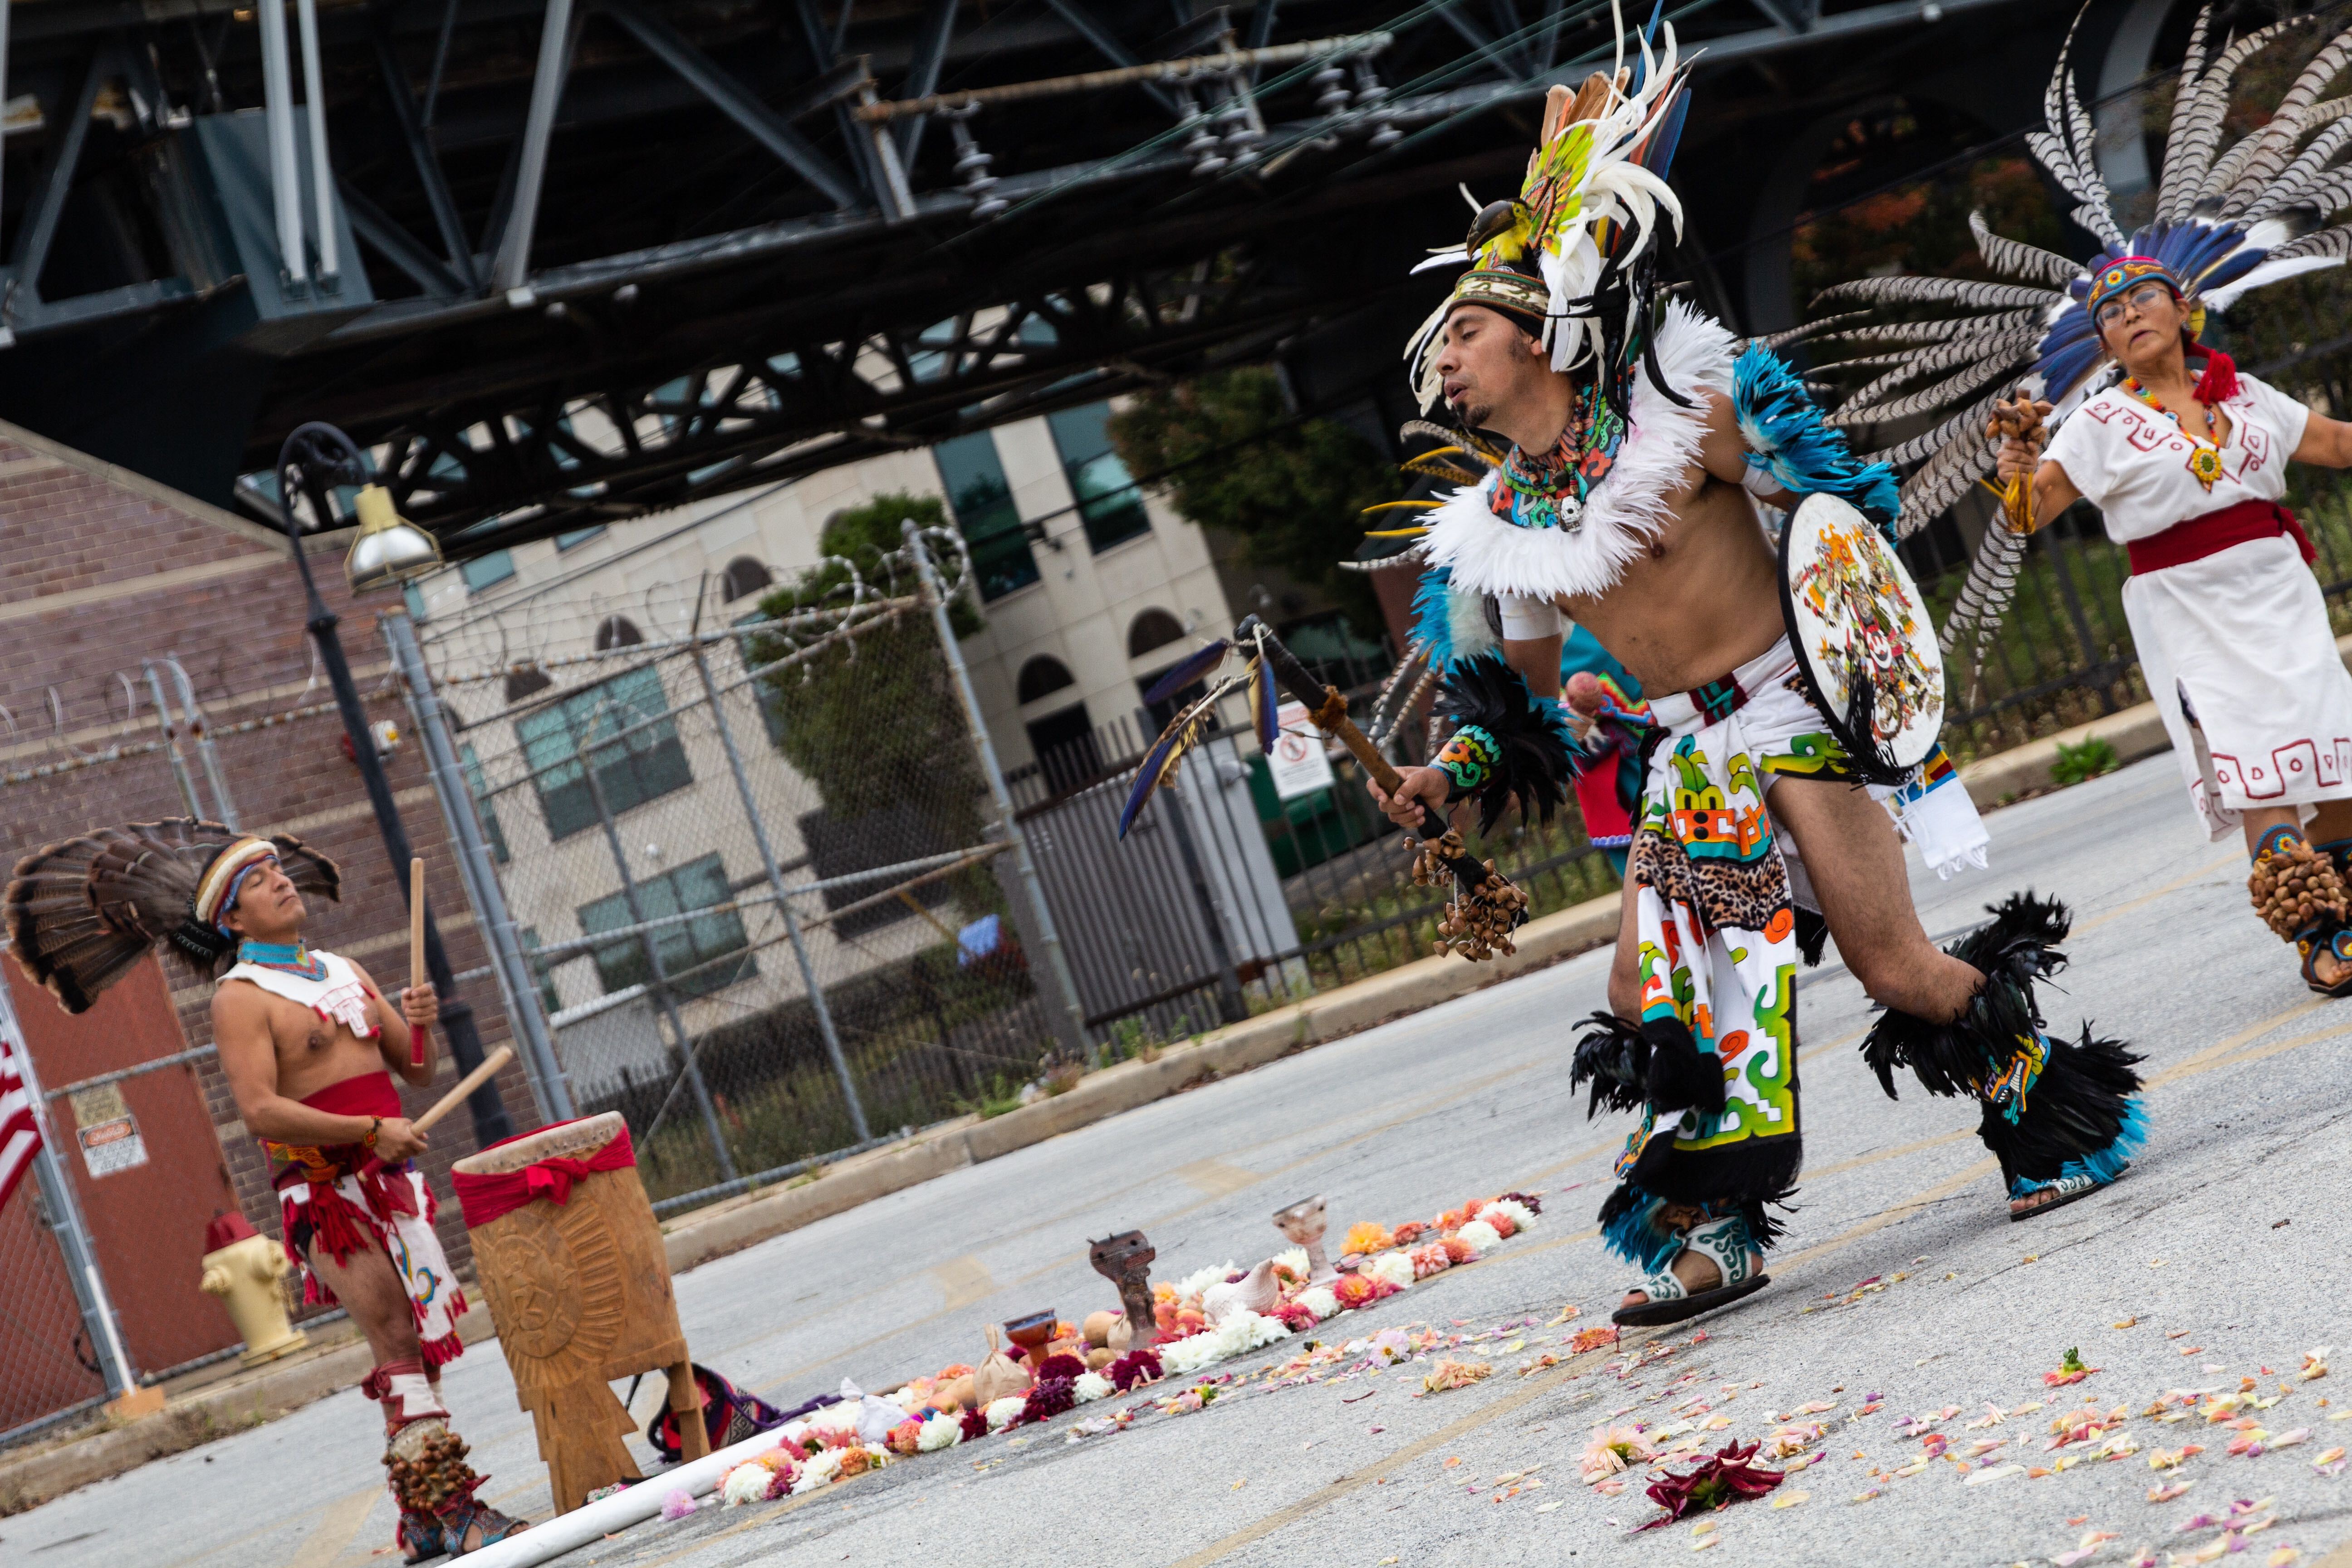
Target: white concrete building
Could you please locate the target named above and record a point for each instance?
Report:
(1089, 587)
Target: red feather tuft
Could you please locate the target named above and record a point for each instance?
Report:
(2220, 381)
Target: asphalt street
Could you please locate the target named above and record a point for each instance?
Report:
(2217, 1260)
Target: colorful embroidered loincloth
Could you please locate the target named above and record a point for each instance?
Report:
(1716, 915)
(330, 1199)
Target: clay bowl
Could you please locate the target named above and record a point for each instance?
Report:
(1031, 1334)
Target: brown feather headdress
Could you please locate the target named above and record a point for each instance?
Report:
(81, 913)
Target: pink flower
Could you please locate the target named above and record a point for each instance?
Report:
(1611, 1449)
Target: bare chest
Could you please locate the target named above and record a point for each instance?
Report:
(314, 1049)
(1703, 599)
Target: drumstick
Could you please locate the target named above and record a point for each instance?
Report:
(450, 1101)
(416, 950)
(465, 1085)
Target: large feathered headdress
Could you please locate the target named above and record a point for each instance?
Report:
(1571, 252)
(2225, 222)
(80, 914)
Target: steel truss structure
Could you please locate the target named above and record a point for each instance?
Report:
(560, 262)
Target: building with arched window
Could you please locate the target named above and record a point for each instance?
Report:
(1087, 585)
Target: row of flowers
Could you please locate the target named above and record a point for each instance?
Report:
(1207, 1317)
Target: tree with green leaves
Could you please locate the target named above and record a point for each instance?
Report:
(876, 724)
(1235, 459)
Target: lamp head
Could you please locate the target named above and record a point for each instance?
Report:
(389, 550)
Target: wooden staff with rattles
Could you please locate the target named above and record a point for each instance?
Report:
(1522, 754)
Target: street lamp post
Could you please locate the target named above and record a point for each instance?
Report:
(324, 455)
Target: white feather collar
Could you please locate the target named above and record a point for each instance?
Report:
(1486, 554)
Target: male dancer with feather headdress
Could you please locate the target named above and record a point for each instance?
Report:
(1636, 438)
(309, 1043)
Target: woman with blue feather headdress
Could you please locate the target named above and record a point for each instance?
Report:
(2184, 455)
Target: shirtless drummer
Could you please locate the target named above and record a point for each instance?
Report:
(309, 1043)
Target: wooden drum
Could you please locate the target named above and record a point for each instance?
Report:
(569, 1254)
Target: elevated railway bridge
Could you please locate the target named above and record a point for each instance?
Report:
(560, 262)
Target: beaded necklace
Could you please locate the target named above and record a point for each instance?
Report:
(1550, 490)
(2204, 460)
(289, 958)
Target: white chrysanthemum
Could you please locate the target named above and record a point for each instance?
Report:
(746, 1483)
(1395, 1267)
(1242, 1332)
(1320, 1300)
(1520, 1214)
(1194, 1283)
(940, 1432)
(1481, 1237)
(822, 1466)
(910, 1399)
(1295, 1260)
(1247, 1330)
(1001, 1410)
(1182, 1358)
(1091, 1386)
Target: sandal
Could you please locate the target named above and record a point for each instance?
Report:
(463, 1517)
(2327, 935)
(1738, 1263)
(2081, 1184)
(419, 1538)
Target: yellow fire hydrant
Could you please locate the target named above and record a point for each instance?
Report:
(244, 1269)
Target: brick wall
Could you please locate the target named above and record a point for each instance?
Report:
(99, 569)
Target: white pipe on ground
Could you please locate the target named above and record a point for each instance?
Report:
(593, 1522)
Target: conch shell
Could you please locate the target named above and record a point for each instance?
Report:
(1255, 1291)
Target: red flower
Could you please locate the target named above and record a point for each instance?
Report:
(1296, 1316)
(1723, 1479)
(1069, 1367)
(1047, 1399)
(975, 1425)
(1133, 1368)
(1355, 1290)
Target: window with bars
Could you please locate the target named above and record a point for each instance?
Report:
(982, 499)
(550, 1002)
(1108, 500)
(695, 954)
(485, 809)
(621, 728)
(486, 571)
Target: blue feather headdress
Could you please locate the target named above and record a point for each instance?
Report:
(2227, 220)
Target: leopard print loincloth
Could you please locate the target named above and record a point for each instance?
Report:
(1722, 894)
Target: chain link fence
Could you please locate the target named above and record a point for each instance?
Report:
(49, 1373)
(755, 874)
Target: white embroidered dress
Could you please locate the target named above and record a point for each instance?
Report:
(2237, 643)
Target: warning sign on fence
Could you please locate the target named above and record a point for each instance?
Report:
(1296, 762)
(109, 1134)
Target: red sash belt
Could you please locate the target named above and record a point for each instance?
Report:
(486, 1198)
(2216, 531)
